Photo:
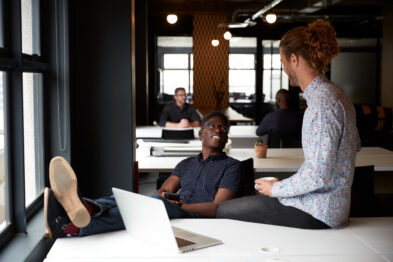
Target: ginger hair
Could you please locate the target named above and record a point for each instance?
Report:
(316, 43)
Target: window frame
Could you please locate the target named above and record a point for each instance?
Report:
(245, 51)
(14, 63)
(273, 51)
(161, 51)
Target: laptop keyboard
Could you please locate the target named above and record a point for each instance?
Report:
(181, 242)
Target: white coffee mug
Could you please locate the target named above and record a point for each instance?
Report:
(268, 178)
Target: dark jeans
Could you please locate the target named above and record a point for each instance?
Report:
(108, 217)
(267, 210)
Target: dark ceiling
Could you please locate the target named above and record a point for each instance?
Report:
(352, 18)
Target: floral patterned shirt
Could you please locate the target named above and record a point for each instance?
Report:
(322, 185)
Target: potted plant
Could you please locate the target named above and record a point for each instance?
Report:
(260, 148)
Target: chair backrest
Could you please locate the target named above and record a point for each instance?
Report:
(247, 178)
(284, 140)
(362, 193)
(177, 134)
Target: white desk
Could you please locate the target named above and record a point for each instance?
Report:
(233, 116)
(241, 136)
(278, 160)
(242, 241)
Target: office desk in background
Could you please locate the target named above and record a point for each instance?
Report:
(283, 162)
(241, 136)
(365, 239)
(233, 116)
(278, 159)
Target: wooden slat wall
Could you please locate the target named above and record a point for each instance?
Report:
(210, 63)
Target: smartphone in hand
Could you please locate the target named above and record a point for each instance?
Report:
(172, 196)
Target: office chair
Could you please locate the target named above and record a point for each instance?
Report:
(247, 178)
(362, 192)
(284, 140)
(177, 134)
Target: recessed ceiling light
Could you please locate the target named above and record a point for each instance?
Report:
(227, 35)
(271, 18)
(215, 42)
(171, 18)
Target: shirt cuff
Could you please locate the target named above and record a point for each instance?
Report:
(276, 189)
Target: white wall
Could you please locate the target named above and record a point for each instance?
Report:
(356, 73)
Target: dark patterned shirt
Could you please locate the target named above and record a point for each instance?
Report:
(200, 179)
(173, 113)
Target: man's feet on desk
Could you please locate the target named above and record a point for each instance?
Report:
(56, 219)
(65, 212)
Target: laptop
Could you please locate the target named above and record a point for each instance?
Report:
(146, 219)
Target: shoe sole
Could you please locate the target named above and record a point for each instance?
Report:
(48, 232)
(64, 186)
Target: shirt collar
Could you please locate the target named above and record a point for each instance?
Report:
(313, 86)
(176, 106)
(220, 156)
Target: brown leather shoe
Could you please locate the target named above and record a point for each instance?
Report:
(56, 219)
(65, 188)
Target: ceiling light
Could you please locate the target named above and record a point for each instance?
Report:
(271, 18)
(171, 18)
(215, 42)
(227, 35)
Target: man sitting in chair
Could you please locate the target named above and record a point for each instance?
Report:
(179, 113)
(283, 120)
(205, 180)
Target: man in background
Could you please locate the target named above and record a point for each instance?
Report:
(283, 120)
(179, 113)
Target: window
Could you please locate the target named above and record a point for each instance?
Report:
(274, 77)
(3, 188)
(22, 71)
(175, 65)
(33, 137)
(30, 27)
(241, 76)
(242, 69)
(176, 73)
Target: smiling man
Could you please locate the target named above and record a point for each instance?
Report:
(205, 181)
